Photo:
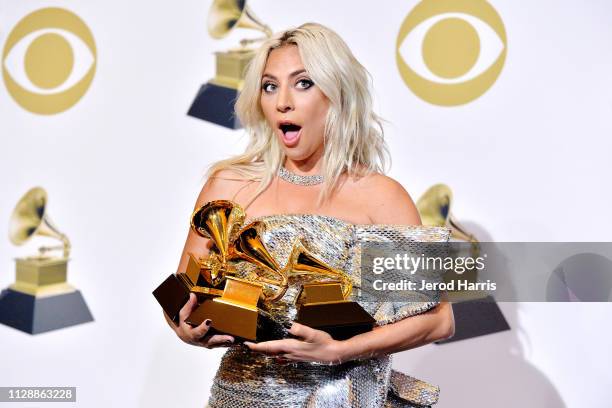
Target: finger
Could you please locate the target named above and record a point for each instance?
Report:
(187, 308)
(217, 340)
(264, 347)
(290, 358)
(273, 347)
(303, 332)
(200, 331)
(282, 360)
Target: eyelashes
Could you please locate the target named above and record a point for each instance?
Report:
(306, 83)
(268, 87)
(302, 84)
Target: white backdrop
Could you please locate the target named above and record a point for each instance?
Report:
(526, 160)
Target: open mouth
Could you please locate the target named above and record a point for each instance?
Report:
(289, 127)
(291, 132)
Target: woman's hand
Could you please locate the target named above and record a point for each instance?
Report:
(197, 336)
(312, 345)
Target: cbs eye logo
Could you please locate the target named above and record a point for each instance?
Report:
(449, 52)
(49, 61)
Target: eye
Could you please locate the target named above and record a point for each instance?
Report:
(49, 60)
(304, 83)
(268, 87)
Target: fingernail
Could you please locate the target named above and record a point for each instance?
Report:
(208, 322)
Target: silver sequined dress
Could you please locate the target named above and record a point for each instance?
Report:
(252, 380)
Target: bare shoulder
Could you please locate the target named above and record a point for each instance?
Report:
(224, 185)
(386, 200)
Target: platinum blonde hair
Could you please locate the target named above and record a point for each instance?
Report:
(354, 137)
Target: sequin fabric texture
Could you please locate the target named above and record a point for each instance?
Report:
(251, 380)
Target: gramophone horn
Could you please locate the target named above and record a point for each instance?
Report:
(225, 15)
(29, 218)
(250, 247)
(220, 221)
(303, 262)
(434, 206)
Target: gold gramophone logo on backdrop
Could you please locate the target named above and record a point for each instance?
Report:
(476, 307)
(434, 207)
(49, 61)
(215, 99)
(451, 52)
(40, 300)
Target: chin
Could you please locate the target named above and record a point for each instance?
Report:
(295, 153)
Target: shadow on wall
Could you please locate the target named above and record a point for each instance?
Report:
(485, 371)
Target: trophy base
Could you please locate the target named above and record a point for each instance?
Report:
(342, 320)
(35, 315)
(172, 296)
(174, 292)
(477, 317)
(227, 318)
(215, 104)
(266, 329)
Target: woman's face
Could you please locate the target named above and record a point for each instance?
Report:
(293, 105)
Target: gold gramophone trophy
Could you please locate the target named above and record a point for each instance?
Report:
(322, 302)
(40, 300)
(218, 221)
(215, 99)
(239, 304)
(250, 247)
(237, 311)
(231, 302)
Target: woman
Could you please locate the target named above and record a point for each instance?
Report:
(313, 170)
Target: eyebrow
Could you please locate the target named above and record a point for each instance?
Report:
(291, 75)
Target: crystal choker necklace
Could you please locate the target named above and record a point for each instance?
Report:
(298, 179)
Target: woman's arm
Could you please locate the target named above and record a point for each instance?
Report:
(221, 187)
(318, 346)
(392, 205)
(415, 331)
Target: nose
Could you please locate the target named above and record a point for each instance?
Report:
(284, 101)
